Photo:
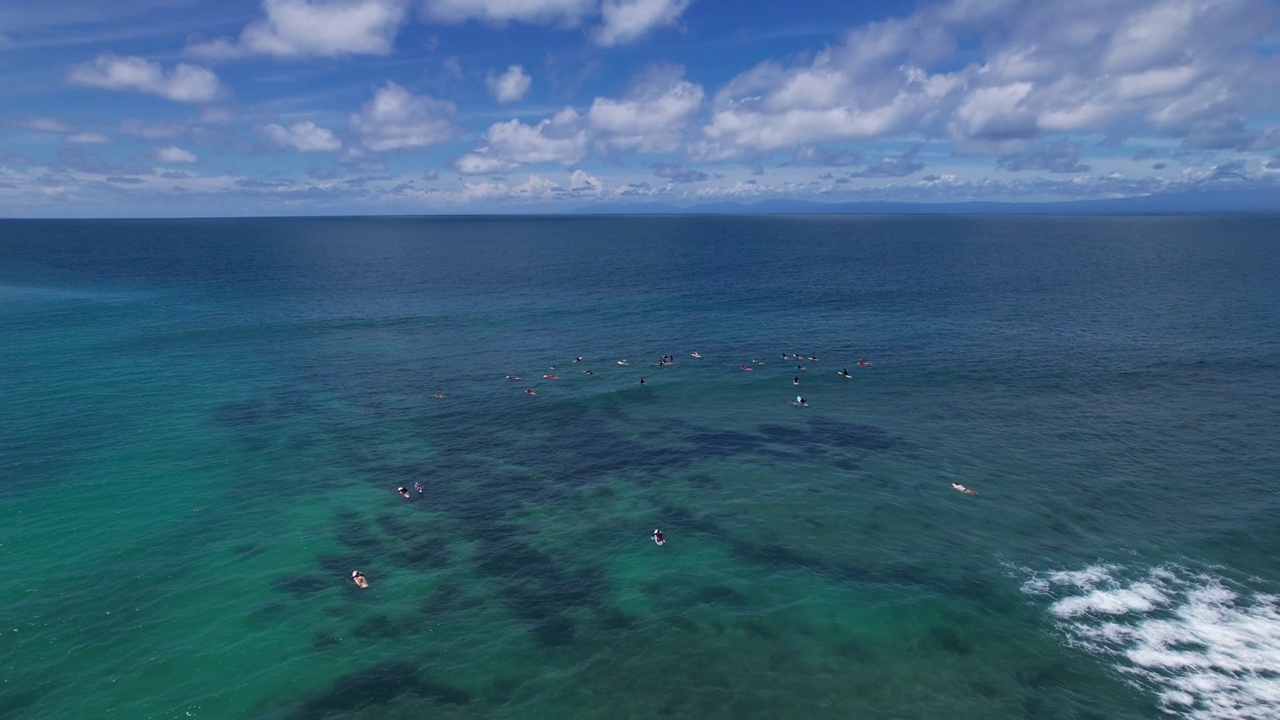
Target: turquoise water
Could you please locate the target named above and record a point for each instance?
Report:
(202, 425)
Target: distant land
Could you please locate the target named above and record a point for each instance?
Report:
(1252, 201)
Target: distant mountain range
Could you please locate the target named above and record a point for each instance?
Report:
(1261, 201)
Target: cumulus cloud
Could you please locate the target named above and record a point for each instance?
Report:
(562, 12)
(40, 124)
(510, 86)
(87, 138)
(824, 157)
(652, 116)
(621, 21)
(625, 21)
(175, 154)
(678, 173)
(901, 166)
(1187, 69)
(185, 83)
(561, 138)
(303, 136)
(395, 119)
(313, 28)
(1059, 156)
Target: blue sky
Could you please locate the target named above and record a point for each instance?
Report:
(267, 107)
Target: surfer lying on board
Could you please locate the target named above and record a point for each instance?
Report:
(529, 391)
(963, 489)
(657, 537)
(359, 579)
(404, 493)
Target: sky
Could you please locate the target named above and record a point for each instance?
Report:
(142, 108)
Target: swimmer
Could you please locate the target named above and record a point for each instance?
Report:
(657, 537)
(439, 396)
(795, 380)
(418, 486)
(359, 579)
(529, 391)
(963, 489)
(844, 373)
(403, 492)
(696, 354)
(801, 367)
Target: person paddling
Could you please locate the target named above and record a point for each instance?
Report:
(657, 537)
(963, 489)
(359, 579)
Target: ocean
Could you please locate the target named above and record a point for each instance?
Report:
(203, 424)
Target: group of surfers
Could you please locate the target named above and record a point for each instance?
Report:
(658, 538)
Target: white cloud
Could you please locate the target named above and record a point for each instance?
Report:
(561, 138)
(175, 154)
(481, 163)
(396, 119)
(585, 183)
(143, 130)
(303, 136)
(41, 124)
(87, 138)
(510, 86)
(1185, 68)
(652, 117)
(625, 21)
(185, 83)
(562, 12)
(313, 28)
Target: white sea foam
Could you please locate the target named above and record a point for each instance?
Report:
(1208, 648)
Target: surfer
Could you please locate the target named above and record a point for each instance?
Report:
(513, 377)
(404, 493)
(588, 372)
(622, 362)
(359, 579)
(641, 381)
(418, 486)
(801, 401)
(696, 354)
(439, 396)
(843, 373)
(550, 376)
(795, 380)
(529, 391)
(963, 489)
(657, 537)
(863, 363)
(578, 359)
(747, 368)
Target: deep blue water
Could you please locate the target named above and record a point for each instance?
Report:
(203, 422)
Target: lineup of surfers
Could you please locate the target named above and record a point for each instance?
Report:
(657, 536)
